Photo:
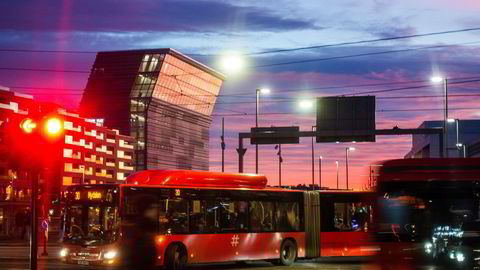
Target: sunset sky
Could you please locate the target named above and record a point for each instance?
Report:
(206, 29)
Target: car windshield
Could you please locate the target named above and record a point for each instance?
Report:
(91, 215)
(91, 224)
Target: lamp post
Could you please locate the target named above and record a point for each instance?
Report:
(83, 173)
(460, 146)
(438, 79)
(336, 162)
(280, 161)
(346, 161)
(313, 162)
(222, 144)
(320, 172)
(258, 91)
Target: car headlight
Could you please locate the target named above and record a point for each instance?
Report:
(110, 254)
(63, 252)
(460, 257)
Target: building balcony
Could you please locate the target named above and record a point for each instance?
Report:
(125, 144)
(69, 126)
(122, 166)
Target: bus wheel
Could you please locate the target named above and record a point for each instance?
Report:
(288, 253)
(175, 257)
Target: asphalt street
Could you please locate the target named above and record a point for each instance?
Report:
(17, 257)
(17, 265)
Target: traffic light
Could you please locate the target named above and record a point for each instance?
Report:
(48, 127)
(52, 128)
(28, 125)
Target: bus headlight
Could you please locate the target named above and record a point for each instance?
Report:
(63, 252)
(110, 254)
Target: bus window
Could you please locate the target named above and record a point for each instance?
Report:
(226, 215)
(75, 222)
(93, 221)
(173, 215)
(198, 221)
(288, 216)
(261, 216)
(351, 216)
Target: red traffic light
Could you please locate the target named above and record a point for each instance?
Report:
(53, 126)
(28, 125)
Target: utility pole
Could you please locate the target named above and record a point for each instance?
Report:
(223, 144)
(336, 162)
(320, 172)
(313, 161)
(445, 125)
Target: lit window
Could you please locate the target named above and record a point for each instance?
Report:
(67, 153)
(67, 180)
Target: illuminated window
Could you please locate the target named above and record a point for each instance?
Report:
(67, 180)
(67, 153)
(68, 167)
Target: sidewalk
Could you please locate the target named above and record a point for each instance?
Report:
(8, 243)
(21, 252)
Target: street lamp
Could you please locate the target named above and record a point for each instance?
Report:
(232, 63)
(336, 162)
(460, 146)
(436, 80)
(313, 161)
(258, 91)
(346, 160)
(280, 161)
(306, 104)
(320, 172)
(82, 167)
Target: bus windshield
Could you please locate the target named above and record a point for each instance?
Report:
(91, 216)
(417, 211)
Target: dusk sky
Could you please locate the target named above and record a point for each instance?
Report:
(207, 29)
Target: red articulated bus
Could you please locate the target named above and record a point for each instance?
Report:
(428, 212)
(206, 217)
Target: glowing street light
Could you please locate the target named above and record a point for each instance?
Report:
(232, 63)
(305, 104)
(258, 91)
(436, 79)
(346, 161)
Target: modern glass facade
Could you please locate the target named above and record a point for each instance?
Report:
(169, 104)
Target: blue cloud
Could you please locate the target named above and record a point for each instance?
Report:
(143, 16)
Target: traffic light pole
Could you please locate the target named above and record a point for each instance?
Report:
(33, 235)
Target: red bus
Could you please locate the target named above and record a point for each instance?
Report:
(206, 217)
(428, 211)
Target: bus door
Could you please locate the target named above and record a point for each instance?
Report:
(345, 223)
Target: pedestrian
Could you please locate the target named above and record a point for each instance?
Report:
(27, 219)
(138, 249)
(62, 225)
(19, 224)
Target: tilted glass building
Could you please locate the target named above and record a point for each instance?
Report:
(162, 98)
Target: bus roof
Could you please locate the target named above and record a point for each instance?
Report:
(430, 169)
(197, 179)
